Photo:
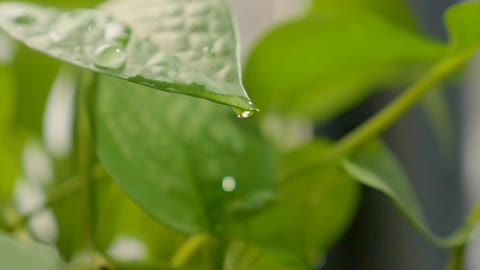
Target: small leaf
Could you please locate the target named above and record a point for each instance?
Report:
(462, 22)
(310, 213)
(188, 162)
(18, 255)
(320, 66)
(187, 47)
(376, 167)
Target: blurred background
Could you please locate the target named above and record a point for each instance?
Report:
(446, 180)
(447, 184)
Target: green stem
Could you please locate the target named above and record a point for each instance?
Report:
(456, 261)
(390, 114)
(86, 156)
(188, 250)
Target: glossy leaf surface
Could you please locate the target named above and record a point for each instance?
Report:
(188, 162)
(319, 66)
(18, 255)
(376, 167)
(187, 47)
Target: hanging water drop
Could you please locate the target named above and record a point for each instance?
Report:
(229, 184)
(110, 57)
(244, 113)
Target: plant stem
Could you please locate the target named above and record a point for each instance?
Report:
(188, 250)
(390, 114)
(86, 156)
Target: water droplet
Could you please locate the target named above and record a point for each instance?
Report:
(110, 56)
(229, 183)
(24, 19)
(244, 113)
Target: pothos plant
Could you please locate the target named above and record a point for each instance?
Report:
(187, 183)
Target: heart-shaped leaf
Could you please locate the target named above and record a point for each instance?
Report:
(376, 167)
(18, 255)
(188, 162)
(187, 47)
(319, 66)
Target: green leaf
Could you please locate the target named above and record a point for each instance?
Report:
(8, 166)
(321, 66)
(241, 256)
(187, 47)
(396, 11)
(18, 255)
(188, 162)
(122, 218)
(376, 167)
(302, 220)
(462, 22)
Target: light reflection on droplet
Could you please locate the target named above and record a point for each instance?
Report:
(229, 183)
(110, 57)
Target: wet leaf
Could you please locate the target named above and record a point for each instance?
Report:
(187, 47)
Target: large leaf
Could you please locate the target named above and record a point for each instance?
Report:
(310, 213)
(188, 47)
(18, 255)
(188, 162)
(462, 21)
(396, 11)
(321, 65)
(376, 167)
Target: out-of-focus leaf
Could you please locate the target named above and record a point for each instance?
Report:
(241, 256)
(376, 167)
(310, 212)
(122, 219)
(396, 11)
(439, 115)
(8, 166)
(64, 3)
(19, 255)
(187, 47)
(33, 85)
(320, 66)
(189, 163)
(462, 22)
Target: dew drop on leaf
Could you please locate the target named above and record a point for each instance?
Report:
(110, 57)
(229, 184)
